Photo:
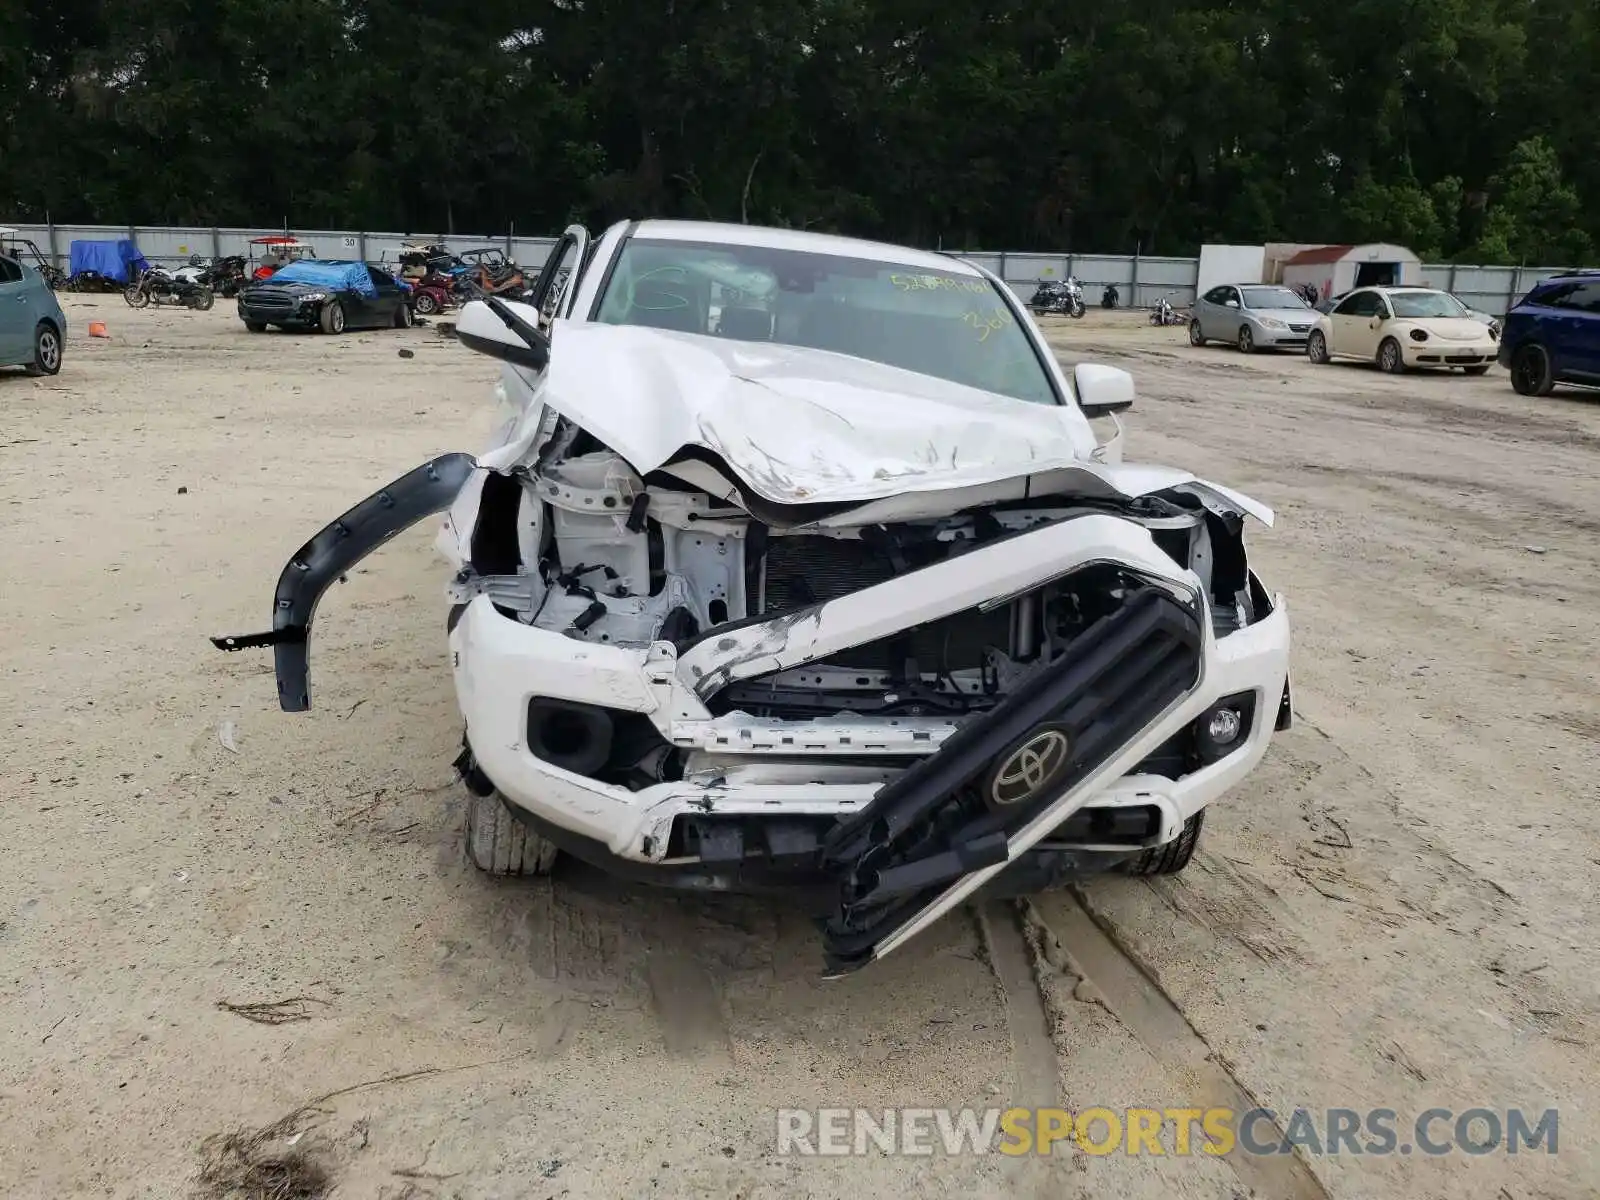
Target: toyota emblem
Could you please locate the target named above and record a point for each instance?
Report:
(1030, 767)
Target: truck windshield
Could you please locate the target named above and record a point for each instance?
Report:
(951, 325)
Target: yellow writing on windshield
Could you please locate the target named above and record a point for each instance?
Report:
(987, 322)
(938, 283)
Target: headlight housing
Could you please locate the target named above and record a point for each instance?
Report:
(1271, 323)
(311, 297)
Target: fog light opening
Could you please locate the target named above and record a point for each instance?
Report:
(1223, 726)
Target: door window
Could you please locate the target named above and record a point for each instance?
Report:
(1362, 304)
(10, 272)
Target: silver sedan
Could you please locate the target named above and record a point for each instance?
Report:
(1251, 316)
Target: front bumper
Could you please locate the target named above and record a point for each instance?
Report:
(1290, 338)
(1435, 352)
(502, 665)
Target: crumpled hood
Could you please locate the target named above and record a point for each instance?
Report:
(802, 427)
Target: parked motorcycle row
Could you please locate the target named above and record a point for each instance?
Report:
(1065, 297)
(195, 286)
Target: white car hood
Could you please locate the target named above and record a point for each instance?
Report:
(800, 426)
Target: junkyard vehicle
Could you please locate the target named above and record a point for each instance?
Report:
(33, 329)
(1109, 296)
(1552, 335)
(26, 250)
(1403, 327)
(224, 276)
(1064, 296)
(104, 265)
(158, 286)
(1252, 317)
(1164, 314)
(327, 295)
(276, 251)
(840, 595)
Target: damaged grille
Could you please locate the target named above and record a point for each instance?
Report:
(812, 570)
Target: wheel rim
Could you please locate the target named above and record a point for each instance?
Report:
(49, 351)
(1316, 346)
(1244, 340)
(1530, 371)
(1194, 333)
(337, 320)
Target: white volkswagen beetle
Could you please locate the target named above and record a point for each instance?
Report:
(1402, 327)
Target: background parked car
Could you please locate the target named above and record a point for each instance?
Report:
(1251, 317)
(328, 295)
(1400, 328)
(1553, 335)
(33, 328)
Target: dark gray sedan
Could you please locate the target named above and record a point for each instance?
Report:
(1251, 316)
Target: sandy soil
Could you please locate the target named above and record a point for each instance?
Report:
(1398, 910)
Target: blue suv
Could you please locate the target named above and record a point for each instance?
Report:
(1553, 335)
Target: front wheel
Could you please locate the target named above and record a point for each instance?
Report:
(1196, 336)
(402, 316)
(1531, 373)
(46, 350)
(1247, 341)
(499, 844)
(135, 296)
(203, 300)
(1078, 309)
(1175, 855)
(1390, 361)
(426, 304)
(331, 318)
(1317, 347)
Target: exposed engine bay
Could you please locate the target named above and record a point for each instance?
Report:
(583, 546)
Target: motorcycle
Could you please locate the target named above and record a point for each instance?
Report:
(1164, 314)
(159, 286)
(224, 276)
(1109, 297)
(1058, 296)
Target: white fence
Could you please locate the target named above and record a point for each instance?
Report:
(1140, 281)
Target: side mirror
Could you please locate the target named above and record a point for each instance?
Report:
(504, 329)
(1102, 390)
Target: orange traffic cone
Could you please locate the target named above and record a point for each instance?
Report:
(98, 329)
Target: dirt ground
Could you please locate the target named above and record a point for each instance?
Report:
(1397, 911)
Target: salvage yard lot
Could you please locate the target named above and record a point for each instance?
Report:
(1397, 911)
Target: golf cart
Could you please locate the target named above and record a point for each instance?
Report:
(27, 250)
(276, 251)
(429, 269)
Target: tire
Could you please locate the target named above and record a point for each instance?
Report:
(402, 316)
(1531, 373)
(331, 318)
(135, 296)
(1078, 311)
(1317, 347)
(1390, 360)
(499, 844)
(426, 304)
(1196, 337)
(1247, 340)
(203, 300)
(47, 350)
(1481, 369)
(256, 326)
(1175, 855)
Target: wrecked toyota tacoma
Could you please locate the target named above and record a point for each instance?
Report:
(797, 564)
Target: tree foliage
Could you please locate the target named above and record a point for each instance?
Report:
(1461, 127)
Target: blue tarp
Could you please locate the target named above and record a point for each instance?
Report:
(118, 260)
(340, 275)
